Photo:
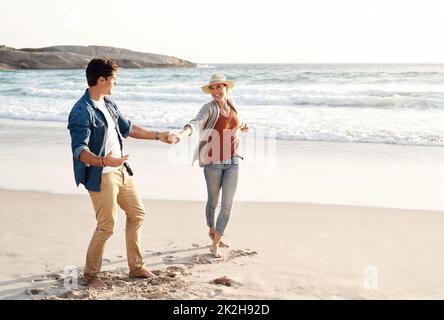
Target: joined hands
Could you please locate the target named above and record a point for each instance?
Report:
(174, 138)
(164, 137)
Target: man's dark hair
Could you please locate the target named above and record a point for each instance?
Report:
(100, 67)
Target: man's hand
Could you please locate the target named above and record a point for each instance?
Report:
(174, 137)
(164, 137)
(109, 161)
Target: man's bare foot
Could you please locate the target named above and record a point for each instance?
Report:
(143, 274)
(96, 283)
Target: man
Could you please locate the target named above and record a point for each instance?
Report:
(97, 127)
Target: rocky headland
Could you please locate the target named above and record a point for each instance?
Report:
(77, 57)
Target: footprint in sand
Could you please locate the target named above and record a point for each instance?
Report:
(214, 293)
(200, 260)
(195, 245)
(48, 278)
(119, 256)
(171, 244)
(157, 253)
(43, 280)
(241, 253)
(168, 259)
(32, 292)
(225, 281)
(107, 261)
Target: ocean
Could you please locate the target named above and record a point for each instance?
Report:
(372, 103)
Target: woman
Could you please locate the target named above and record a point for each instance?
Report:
(218, 124)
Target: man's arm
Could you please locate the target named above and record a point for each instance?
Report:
(138, 132)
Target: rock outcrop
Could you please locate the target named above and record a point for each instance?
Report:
(77, 57)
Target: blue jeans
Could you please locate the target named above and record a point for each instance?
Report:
(225, 177)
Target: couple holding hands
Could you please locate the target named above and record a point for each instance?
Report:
(97, 129)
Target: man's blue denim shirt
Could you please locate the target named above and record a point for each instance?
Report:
(87, 126)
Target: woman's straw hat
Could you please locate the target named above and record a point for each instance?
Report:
(218, 78)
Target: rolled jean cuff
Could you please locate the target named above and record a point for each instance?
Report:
(219, 232)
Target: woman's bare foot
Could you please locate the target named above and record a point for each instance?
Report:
(223, 245)
(215, 251)
(212, 233)
(215, 246)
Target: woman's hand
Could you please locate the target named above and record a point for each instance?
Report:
(245, 128)
(175, 137)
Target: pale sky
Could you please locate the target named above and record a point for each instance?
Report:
(229, 31)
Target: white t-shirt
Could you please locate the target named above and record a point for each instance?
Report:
(112, 140)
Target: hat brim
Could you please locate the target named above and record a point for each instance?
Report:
(228, 83)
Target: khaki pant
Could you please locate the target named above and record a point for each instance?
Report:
(117, 188)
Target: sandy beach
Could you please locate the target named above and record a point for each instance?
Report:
(277, 251)
(323, 221)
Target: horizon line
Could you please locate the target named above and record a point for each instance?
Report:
(237, 62)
